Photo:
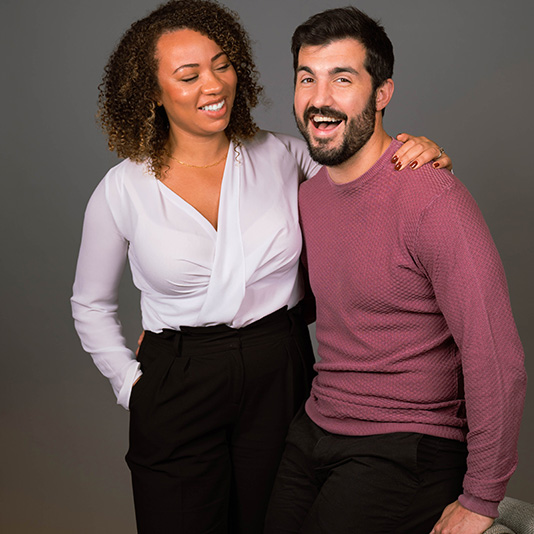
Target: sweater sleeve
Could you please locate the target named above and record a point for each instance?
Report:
(455, 250)
(101, 262)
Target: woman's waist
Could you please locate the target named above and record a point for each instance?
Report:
(161, 312)
(212, 338)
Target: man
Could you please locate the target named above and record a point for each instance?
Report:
(413, 418)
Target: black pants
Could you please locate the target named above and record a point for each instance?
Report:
(383, 484)
(208, 422)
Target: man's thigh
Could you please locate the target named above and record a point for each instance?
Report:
(295, 487)
(442, 464)
(367, 484)
(374, 484)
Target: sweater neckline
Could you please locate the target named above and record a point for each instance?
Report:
(373, 172)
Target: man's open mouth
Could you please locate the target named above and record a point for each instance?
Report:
(322, 122)
(325, 118)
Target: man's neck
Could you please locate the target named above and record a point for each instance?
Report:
(363, 160)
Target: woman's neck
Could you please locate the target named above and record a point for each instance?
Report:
(198, 151)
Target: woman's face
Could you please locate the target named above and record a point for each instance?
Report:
(197, 83)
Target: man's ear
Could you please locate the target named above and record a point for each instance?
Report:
(384, 94)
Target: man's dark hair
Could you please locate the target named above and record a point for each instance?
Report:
(348, 23)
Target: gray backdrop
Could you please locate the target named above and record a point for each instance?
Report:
(464, 77)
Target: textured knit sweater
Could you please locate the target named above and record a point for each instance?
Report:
(414, 324)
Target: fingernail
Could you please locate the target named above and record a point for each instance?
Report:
(435, 165)
(394, 159)
(413, 164)
(398, 166)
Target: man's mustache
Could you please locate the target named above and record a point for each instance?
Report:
(325, 111)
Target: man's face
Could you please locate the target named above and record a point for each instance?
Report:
(335, 106)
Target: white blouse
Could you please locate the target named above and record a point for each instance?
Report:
(188, 272)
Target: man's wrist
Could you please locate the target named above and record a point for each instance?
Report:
(478, 505)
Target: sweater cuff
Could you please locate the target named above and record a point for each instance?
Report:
(479, 506)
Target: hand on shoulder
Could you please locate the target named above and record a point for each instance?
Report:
(417, 151)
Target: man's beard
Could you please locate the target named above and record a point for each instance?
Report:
(358, 131)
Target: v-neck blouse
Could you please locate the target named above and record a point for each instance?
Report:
(188, 273)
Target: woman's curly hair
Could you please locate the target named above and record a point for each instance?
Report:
(136, 127)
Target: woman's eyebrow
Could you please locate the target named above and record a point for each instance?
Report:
(193, 65)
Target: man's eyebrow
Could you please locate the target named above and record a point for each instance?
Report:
(302, 68)
(194, 65)
(334, 71)
(339, 70)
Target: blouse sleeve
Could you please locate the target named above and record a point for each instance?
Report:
(299, 150)
(101, 262)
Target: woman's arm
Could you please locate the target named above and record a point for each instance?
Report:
(414, 152)
(101, 261)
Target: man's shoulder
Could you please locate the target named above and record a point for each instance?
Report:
(430, 194)
(427, 177)
(423, 185)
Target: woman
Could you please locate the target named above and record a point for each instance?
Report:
(205, 208)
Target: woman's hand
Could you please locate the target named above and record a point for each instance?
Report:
(417, 151)
(139, 341)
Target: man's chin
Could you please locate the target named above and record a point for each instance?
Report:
(323, 150)
(324, 145)
(324, 156)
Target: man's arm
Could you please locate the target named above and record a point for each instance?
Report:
(455, 249)
(459, 520)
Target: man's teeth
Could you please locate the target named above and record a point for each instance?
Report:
(213, 107)
(325, 119)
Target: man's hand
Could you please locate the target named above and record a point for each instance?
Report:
(456, 519)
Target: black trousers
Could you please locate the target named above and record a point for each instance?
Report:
(383, 484)
(208, 422)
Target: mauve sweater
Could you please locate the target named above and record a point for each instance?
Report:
(414, 323)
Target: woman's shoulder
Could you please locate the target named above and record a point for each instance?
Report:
(284, 141)
(127, 171)
(127, 181)
(285, 146)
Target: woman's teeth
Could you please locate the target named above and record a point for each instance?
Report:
(213, 107)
